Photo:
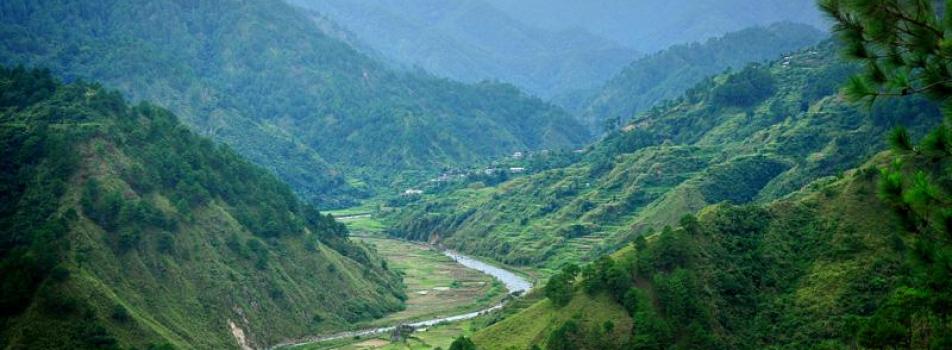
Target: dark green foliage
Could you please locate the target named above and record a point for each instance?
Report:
(901, 43)
(746, 88)
(690, 224)
(905, 50)
(900, 140)
(462, 343)
(35, 165)
(561, 287)
(740, 180)
(563, 338)
(605, 275)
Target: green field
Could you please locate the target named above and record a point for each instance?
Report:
(430, 338)
(436, 285)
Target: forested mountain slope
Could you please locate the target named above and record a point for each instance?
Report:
(120, 228)
(751, 136)
(471, 41)
(667, 74)
(260, 75)
(832, 267)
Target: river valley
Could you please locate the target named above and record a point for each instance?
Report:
(442, 286)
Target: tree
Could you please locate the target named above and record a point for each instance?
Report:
(560, 289)
(563, 338)
(901, 42)
(903, 46)
(462, 343)
(690, 224)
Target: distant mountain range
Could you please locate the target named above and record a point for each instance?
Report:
(471, 41)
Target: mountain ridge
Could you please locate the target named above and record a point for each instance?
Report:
(330, 121)
(124, 229)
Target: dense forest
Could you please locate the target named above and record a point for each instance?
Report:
(124, 229)
(262, 77)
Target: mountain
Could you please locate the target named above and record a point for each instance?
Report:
(831, 266)
(652, 25)
(260, 76)
(667, 74)
(752, 136)
(472, 41)
(120, 228)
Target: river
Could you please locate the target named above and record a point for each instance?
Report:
(513, 282)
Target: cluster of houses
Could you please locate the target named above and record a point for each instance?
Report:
(462, 174)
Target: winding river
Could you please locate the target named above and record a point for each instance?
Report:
(513, 282)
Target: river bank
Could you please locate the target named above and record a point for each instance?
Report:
(443, 287)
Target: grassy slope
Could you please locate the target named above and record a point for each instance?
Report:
(673, 160)
(532, 325)
(181, 284)
(824, 255)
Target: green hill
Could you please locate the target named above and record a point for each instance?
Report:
(122, 229)
(831, 267)
(262, 77)
(667, 74)
(752, 136)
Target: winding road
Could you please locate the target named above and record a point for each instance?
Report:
(513, 282)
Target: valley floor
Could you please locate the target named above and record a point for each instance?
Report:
(437, 287)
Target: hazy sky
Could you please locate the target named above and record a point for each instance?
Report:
(650, 25)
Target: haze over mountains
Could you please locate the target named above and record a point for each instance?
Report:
(471, 41)
(552, 49)
(652, 25)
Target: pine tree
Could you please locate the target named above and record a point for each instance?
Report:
(903, 46)
(901, 42)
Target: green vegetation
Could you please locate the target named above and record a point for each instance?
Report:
(435, 284)
(709, 146)
(123, 229)
(860, 260)
(667, 74)
(462, 343)
(437, 337)
(803, 271)
(264, 79)
(544, 324)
